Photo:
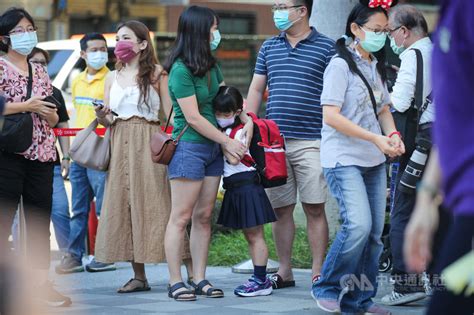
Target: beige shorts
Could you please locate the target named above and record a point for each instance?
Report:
(305, 175)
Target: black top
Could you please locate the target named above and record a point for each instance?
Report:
(62, 113)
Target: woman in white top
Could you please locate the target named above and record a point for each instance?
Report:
(137, 196)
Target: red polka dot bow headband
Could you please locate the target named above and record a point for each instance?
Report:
(385, 4)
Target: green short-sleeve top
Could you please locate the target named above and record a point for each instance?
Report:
(182, 84)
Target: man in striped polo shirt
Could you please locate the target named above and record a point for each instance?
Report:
(292, 65)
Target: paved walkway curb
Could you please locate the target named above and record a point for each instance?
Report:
(95, 293)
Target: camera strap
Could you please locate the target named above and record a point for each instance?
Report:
(420, 104)
(419, 80)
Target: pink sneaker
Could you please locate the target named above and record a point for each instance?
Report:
(377, 309)
(330, 306)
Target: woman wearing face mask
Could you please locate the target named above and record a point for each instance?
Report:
(352, 156)
(197, 164)
(137, 202)
(30, 173)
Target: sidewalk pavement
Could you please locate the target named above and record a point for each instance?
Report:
(95, 293)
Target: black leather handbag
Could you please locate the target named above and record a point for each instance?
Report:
(16, 135)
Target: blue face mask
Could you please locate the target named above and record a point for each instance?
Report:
(97, 59)
(373, 42)
(282, 20)
(24, 43)
(217, 39)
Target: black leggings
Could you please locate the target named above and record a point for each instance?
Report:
(34, 181)
(457, 244)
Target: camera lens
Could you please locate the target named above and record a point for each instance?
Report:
(415, 167)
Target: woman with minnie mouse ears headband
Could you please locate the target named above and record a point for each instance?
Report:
(356, 113)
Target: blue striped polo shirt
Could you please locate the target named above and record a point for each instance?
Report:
(295, 82)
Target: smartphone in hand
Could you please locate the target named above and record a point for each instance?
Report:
(53, 100)
(99, 104)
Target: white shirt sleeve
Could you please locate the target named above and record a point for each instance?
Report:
(405, 85)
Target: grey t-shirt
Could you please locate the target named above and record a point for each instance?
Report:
(346, 90)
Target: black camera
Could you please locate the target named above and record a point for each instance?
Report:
(415, 167)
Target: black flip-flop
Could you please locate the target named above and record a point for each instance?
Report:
(179, 295)
(143, 288)
(279, 283)
(210, 293)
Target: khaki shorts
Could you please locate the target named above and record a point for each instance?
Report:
(305, 175)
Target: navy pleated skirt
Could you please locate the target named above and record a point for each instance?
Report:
(245, 203)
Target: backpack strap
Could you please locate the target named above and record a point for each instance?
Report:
(246, 160)
(234, 131)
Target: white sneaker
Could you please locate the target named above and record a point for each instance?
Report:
(396, 298)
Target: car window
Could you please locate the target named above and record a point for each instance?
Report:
(57, 59)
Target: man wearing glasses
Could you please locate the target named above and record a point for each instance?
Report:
(292, 64)
(408, 32)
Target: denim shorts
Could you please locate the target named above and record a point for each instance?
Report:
(196, 161)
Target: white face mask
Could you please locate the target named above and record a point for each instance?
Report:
(225, 122)
(97, 59)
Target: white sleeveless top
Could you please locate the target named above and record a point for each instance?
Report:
(124, 102)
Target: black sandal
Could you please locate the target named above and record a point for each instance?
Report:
(179, 295)
(210, 293)
(144, 287)
(279, 283)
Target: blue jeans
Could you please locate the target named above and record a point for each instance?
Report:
(196, 161)
(60, 210)
(349, 273)
(59, 213)
(86, 184)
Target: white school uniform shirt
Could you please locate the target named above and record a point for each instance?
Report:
(230, 169)
(405, 85)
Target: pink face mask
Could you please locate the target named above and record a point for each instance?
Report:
(124, 51)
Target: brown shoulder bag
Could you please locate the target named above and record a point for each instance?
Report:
(163, 145)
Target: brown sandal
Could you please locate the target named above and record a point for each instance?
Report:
(144, 286)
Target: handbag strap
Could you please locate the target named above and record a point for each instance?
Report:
(369, 88)
(187, 126)
(371, 92)
(29, 87)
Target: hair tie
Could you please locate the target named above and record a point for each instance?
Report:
(347, 39)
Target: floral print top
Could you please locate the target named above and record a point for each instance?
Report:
(13, 86)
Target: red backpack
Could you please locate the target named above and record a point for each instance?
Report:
(267, 150)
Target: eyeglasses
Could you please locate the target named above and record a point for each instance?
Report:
(21, 30)
(376, 31)
(277, 8)
(390, 32)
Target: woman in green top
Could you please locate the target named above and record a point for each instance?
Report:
(197, 165)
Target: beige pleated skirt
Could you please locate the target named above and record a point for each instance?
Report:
(137, 199)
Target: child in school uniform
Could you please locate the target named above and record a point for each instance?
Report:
(245, 205)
